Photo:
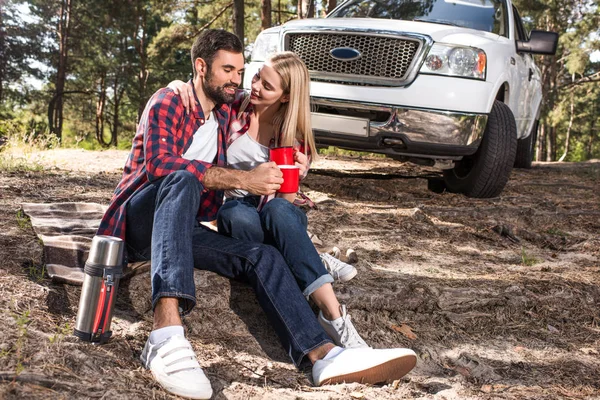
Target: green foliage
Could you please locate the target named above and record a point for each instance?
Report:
(61, 332)
(35, 272)
(22, 321)
(528, 260)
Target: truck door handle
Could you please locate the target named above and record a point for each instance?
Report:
(530, 74)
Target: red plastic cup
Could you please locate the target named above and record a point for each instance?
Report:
(291, 175)
(282, 155)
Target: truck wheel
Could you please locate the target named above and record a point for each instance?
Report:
(485, 173)
(525, 149)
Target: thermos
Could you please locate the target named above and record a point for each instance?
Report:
(103, 269)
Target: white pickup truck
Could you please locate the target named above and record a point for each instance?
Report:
(449, 83)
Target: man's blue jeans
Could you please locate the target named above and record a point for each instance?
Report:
(161, 223)
(280, 224)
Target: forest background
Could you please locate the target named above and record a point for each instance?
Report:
(78, 73)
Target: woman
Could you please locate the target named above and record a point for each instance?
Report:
(277, 113)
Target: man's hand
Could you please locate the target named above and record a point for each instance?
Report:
(265, 179)
(186, 92)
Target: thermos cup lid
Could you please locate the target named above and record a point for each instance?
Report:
(106, 251)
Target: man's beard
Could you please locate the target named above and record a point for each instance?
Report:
(217, 93)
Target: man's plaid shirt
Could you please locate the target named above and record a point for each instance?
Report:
(164, 134)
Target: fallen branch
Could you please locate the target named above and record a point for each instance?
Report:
(45, 381)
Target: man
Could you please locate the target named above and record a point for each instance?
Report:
(173, 179)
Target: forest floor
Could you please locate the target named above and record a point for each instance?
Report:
(500, 298)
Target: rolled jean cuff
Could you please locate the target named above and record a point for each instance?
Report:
(317, 283)
(186, 302)
(300, 360)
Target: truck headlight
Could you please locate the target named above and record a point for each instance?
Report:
(266, 44)
(446, 59)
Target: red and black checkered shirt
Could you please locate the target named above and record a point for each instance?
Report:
(164, 134)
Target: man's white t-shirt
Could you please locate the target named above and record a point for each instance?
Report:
(205, 142)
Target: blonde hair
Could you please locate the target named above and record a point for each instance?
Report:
(292, 120)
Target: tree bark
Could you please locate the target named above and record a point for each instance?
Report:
(141, 50)
(541, 143)
(551, 144)
(265, 14)
(64, 28)
(238, 19)
(331, 4)
(100, 111)
(114, 140)
(590, 140)
(567, 139)
(2, 53)
(306, 9)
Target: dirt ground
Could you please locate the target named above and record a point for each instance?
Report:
(500, 298)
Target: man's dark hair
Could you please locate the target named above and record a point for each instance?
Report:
(210, 41)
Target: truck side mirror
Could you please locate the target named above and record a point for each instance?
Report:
(540, 42)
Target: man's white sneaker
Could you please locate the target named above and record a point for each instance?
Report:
(364, 366)
(338, 269)
(342, 331)
(174, 365)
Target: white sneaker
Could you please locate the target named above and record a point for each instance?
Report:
(174, 365)
(338, 269)
(342, 331)
(364, 366)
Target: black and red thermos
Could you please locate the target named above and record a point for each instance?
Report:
(103, 270)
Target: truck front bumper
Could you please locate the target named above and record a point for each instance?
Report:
(395, 130)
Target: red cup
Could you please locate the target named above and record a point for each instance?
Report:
(282, 155)
(291, 175)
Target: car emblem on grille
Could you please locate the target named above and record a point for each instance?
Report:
(345, 54)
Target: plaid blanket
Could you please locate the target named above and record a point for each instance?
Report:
(66, 231)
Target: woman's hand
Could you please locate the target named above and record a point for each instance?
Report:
(186, 92)
(301, 161)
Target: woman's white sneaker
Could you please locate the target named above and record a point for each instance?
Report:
(342, 331)
(338, 269)
(364, 366)
(174, 365)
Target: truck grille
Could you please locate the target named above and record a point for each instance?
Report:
(384, 60)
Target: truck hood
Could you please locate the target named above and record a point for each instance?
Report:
(438, 32)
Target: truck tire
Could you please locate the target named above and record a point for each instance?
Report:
(485, 173)
(525, 149)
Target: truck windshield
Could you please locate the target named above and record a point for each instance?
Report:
(483, 15)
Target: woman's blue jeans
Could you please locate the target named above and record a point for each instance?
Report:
(161, 225)
(280, 224)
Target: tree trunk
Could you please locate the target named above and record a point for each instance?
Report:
(541, 141)
(100, 111)
(238, 19)
(562, 158)
(141, 49)
(265, 14)
(331, 4)
(278, 12)
(64, 28)
(306, 9)
(114, 139)
(551, 144)
(590, 140)
(2, 53)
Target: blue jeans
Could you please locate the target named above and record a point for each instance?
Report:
(282, 225)
(161, 223)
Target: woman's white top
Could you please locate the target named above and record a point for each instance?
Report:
(245, 154)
